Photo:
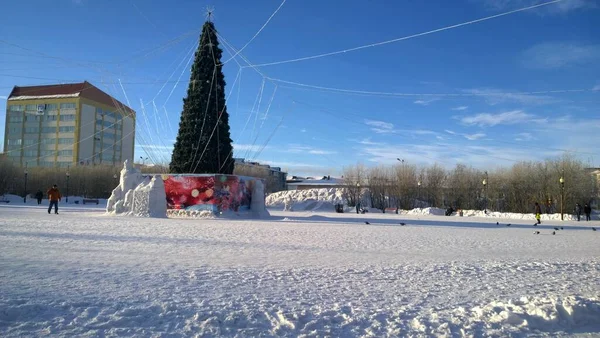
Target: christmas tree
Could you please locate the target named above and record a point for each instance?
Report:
(203, 143)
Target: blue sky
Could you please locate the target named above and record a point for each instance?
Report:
(524, 86)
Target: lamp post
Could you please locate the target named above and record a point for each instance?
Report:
(419, 190)
(67, 194)
(25, 188)
(562, 195)
(485, 193)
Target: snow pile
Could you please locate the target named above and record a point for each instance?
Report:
(181, 213)
(306, 200)
(533, 313)
(512, 215)
(425, 211)
(136, 196)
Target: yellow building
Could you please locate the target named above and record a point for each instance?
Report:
(67, 124)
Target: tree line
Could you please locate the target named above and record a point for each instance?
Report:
(514, 189)
(99, 181)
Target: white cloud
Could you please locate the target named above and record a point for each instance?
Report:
(380, 127)
(296, 149)
(2, 97)
(368, 142)
(555, 8)
(596, 88)
(551, 55)
(460, 108)
(247, 147)
(524, 137)
(473, 137)
(320, 152)
(154, 147)
(509, 117)
(425, 102)
(495, 96)
(303, 130)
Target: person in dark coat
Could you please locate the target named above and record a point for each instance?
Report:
(38, 196)
(587, 210)
(538, 213)
(54, 196)
(578, 211)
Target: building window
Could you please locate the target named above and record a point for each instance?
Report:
(30, 153)
(32, 118)
(70, 105)
(15, 153)
(29, 141)
(63, 164)
(69, 129)
(48, 141)
(50, 117)
(51, 107)
(65, 153)
(48, 130)
(14, 130)
(15, 107)
(46, 164)
(65, 141)
(67, 117)
(14, 142)
(47, 153)
(15, 119)
(32, 130)
(31, 107)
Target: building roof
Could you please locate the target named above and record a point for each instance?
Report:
(82, 89)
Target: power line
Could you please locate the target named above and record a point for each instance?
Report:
(375, 93)
(405, 37)
(255, 35)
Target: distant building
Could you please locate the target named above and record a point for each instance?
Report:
(303, 183)
(275, 179)
(67, 124)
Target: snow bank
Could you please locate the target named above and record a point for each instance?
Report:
(306, 200)
(324, 200)
(555, 314)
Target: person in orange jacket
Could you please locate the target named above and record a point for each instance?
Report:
(54, 196)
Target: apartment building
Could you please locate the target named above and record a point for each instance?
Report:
(66, 125)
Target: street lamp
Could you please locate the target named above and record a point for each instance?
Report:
(25, 188)
(67, 194)
(562, 195)
(485, 193)
(419, 190)
(143, 160)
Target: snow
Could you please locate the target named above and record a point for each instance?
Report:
(138, 196)
(36, 97)
(308, 274)
(323, 200)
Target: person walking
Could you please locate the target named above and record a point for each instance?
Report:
(578, 211)
(538, 213)
(38, 196)
(587, 210)
(54, 196)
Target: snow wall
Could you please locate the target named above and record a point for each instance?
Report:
(186, 195)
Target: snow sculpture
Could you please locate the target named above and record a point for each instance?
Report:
(149, 199)
(257, 206)
(137, 196)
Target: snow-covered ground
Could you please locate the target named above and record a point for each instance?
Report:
(295, 274)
